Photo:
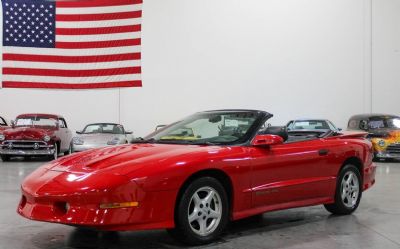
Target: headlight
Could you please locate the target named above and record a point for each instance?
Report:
(381, 143)
(114, 141)
(2, 137)
(46, 138)
(78, 141)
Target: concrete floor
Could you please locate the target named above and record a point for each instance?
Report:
(376, 224)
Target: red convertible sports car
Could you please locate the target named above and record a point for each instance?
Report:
(196, 175)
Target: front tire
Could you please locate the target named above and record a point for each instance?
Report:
(348, 191)
(202, 212)
(69, 151)
(55, 154)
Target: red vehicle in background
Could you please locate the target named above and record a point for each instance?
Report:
(3, 124)
(36, 135)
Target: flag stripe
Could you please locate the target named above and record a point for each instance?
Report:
(98, 17)
(99, 44)
(71, 80)
(98, 37)
(72, 51)
(95, 31)
(71, 73)
(71, 66)
(14, 84)
(71, 59)
(97, 10)
(75, 4)
(99, 24)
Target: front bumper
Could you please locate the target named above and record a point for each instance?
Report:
(49, 202)
(84, 147)
(369, 176)
(12, 152)
(386, 155)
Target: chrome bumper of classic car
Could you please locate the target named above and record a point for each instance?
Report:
(26, 148)
(385, 154)
(392, 151)
(27, 152)
(83, 147)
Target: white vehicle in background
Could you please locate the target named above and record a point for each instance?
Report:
(101, 135)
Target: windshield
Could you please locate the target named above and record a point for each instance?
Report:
(103, 128)
(380, 123)
(36, 121)
(309, 125)
(209, 128)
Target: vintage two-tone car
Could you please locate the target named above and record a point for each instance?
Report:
(196, 175)
(384, 133)
(36, 135)
(100, 135)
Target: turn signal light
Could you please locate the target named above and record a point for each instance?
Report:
(119, 205)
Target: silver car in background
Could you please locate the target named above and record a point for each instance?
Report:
(100, 135)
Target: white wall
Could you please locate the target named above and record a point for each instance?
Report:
(386, 56)
(308, 58)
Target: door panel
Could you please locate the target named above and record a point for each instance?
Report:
(290, 172)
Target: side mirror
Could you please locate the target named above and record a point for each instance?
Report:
(12, 123)
(78, 132)
(266, 140)
(128, 132)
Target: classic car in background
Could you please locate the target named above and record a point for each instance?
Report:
(384, 133)
(196, 175)
(3, 124)
(36, 135)
(100, 135)
(306, 128)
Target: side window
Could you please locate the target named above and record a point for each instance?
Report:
(331, 126)
(3, 122)
(264, 127)
(353, 124)
(364, 125)
(290, 125)
(62, 123)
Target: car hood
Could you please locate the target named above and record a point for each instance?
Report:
(27, 133)
(2, 128)
(99, 138)
(125, 159)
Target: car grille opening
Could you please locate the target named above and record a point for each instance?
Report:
(61, 208)
(393, 149)
(22, 203)
(24, 145)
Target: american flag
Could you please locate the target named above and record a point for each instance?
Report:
(76, 44)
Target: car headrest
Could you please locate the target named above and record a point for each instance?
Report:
(278, 131)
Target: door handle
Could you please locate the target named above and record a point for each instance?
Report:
(323, 152)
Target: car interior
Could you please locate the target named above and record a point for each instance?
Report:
(296, 136)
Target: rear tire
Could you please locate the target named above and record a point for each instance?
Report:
(69, 151)
(348, 191)
(202, 212)
(5, 158)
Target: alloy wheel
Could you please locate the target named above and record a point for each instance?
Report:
(350, 189)
(205, 211)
